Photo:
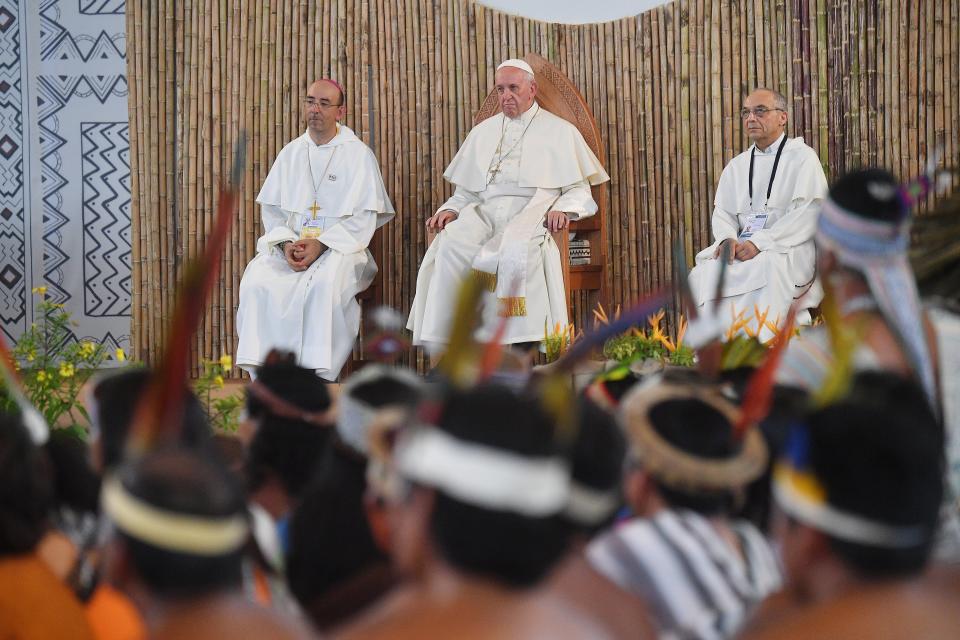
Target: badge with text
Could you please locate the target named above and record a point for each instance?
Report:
(755, 222)
(311, 229)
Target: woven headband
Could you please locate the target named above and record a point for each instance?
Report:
(676, 468)
(177, 532)
(279, 407)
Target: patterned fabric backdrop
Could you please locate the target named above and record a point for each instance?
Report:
(64, 165)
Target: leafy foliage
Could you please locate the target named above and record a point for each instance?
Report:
(223, 411)
(54, 366)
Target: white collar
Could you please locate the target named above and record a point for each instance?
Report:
(525, 117)
(314, 145)
(772, 149)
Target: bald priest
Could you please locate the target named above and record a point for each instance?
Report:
(322, 200)
(764, 216)
(519, 175)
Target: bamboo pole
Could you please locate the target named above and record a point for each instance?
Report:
(870, 82)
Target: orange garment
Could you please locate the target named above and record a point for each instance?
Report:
(113, 617)
(35, 604)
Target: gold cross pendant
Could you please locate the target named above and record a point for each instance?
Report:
(314, 209)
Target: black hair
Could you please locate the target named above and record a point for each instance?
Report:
(385, 391)
(618, 388)
(879, 455)
(332, 546)
(26, 492)
(698, 429)
(288, 448)
(597, 455)
(185, 482)
(788, 405)
(512, 549)
(869, 193)
(76, 484)
(118, 397)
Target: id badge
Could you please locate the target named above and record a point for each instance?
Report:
(755, 222)
(311, 229)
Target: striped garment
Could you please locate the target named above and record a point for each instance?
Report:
(695, 584)
(808, 359)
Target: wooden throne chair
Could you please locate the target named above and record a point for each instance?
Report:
(559, 96)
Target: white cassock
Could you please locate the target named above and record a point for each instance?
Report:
(313, 313)
(508, 174)
(785, 268)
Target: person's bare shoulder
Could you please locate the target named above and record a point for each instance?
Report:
(577, 585)
(235, 618)
(922, 608)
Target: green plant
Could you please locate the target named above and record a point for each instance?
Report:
(557, 343)
(54, 366)
(633, 346)
(223, 412)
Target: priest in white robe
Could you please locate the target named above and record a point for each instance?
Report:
(519, 176)
(766, 211)
(321, 202)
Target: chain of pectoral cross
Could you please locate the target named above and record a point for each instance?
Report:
(493, 171)
(316, 188)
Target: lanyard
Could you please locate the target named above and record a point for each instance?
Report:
(773, 174)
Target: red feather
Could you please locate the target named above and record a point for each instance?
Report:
(160, 410)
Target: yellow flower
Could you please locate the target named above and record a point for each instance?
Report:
(16, 365)
(66, 370)
(735, 326)
(40, 290)
(226, 361)
(41, 376)
(600, 316)
(31, 356)
(218, 381)
(87, 349)
(120, 355)
(655, 320)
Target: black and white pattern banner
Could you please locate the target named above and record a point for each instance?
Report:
(64, 165)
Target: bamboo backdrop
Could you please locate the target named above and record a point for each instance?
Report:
(870, 82)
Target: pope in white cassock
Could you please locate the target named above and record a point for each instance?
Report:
(321, 202)
(766, 210)
(519, 175)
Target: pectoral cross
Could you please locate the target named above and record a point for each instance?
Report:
(493, 173)
(314, 209)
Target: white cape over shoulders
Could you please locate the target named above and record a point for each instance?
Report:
(313, 313)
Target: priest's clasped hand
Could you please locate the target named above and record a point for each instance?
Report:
(303, 253)
(746, 251)
(556, 221)
(740, 250)
(440, 219)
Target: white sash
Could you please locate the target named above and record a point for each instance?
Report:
(502, 261)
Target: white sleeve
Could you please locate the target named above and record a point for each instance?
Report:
(275, 226)
(351, 234)
(461, 198)
(576, 200)
(799, 223)
(724, 223)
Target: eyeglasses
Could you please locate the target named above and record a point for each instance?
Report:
(310, 103)
(759, 112)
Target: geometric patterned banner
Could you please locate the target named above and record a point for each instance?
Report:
(64, 165)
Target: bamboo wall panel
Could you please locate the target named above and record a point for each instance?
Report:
(869, 82)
